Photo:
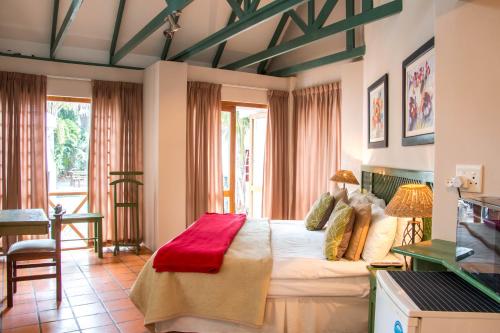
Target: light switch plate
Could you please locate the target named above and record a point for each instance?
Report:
(472, 175)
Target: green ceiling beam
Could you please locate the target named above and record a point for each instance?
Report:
(298, 20)
(68, 19)
(55, 13)
(254, 5)
(64, 61)
(274, 40)
(152, 26)
(344, 55)
(350, 38)
(222, 46)
(248, 21)
(325, 12)
(367, 5)
(310, 12)
(116, 30)
(374, 14)
(168, 42)
(236, 7)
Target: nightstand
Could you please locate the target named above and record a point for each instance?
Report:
(373, 293)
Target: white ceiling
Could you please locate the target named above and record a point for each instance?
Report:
(25, 27)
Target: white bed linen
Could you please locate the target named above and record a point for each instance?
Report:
(307, 293)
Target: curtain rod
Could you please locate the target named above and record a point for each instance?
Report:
(244, 87)
(68, 78)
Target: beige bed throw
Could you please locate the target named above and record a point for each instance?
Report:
(236, 294)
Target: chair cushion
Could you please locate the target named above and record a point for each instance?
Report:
(33, 245)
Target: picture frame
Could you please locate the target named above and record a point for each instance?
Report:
(419, 96)
(378, 113)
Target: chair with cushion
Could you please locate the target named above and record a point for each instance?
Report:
(36, 249)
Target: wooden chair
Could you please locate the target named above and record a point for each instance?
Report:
(35, 249)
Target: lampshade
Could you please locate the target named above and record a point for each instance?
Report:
(411, 200)
(345, 176)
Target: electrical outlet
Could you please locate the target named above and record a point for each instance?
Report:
(472, 177)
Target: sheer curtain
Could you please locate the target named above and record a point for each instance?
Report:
(276, 185)
(23, 103)
(204, 190)
(115, 145)
(316, 133)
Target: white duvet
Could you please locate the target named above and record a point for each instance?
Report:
(298, 254)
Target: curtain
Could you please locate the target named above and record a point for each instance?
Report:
(204, 190)
(276, 185)
(316, 133)
(115, 145)
(23, 103)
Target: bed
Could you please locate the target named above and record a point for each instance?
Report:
(308, 293)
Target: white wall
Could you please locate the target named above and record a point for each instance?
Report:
(467, 86)
(165, 136)
(388, 43)
(78, 77)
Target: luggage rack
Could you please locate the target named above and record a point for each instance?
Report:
(130, 191)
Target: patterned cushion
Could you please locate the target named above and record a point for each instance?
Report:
(319, 212)
(362, 219)
(339, 231)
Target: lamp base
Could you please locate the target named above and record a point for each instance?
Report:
(412, 230)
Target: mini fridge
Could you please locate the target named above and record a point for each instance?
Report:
(432, 302)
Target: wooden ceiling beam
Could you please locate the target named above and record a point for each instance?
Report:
(116, 30)
(248, 21)
(149, 28)
(388, 9)
(68, 19)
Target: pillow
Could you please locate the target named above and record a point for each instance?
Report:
(339, 231)
(339, 195)
(319, 212)
(357, 197)
(362, 219)
(380, 235)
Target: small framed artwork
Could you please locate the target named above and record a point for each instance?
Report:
(419, 71)
(378, 114)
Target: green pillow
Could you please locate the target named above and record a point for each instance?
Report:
(339, 231)
(319, 212)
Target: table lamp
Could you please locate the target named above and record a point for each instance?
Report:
(344, 176)
(411, 200)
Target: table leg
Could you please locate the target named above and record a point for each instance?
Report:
(96, 238)
(99, 238)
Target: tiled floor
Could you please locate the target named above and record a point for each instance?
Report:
(95, 296)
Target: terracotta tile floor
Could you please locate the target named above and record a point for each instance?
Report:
(95, 296)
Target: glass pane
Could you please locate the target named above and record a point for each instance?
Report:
(226, 205)
(226, 150)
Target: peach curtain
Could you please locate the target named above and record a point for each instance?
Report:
(115, 145)
(204, 190)
(316, 133)
(276, 185)
(23, 172)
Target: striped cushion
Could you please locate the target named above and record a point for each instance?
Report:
(339, 231)
(319, 212)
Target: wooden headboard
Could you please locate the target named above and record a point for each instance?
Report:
(384, 182)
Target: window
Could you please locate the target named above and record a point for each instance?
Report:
(68, 128)
(243, 129)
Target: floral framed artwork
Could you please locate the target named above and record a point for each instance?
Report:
(419, 71)
(378, 113)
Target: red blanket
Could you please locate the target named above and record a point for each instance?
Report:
(201, 247)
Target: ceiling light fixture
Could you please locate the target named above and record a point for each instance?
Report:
(172, 25)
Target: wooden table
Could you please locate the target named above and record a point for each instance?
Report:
(17, 222)
(94, 218)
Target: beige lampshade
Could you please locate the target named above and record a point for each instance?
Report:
(411, 200)
(345, 176)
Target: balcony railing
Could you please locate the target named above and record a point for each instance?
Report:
(64, 198)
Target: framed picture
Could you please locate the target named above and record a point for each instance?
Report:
(419, 73)
(378, 115)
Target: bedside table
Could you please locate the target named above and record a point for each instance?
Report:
(373, 293)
